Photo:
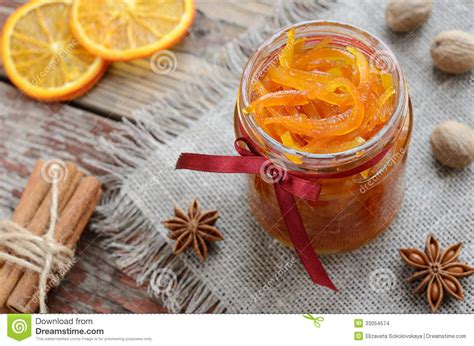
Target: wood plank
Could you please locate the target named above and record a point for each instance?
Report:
(94, 286)
(128, 86)
(30, 130)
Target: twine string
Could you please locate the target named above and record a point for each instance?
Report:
(40, 254)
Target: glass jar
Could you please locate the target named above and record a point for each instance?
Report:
(350, 211)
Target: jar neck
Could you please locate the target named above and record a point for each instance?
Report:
(340, 35)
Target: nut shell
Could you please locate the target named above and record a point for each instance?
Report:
(453, 144)
(407, 15)
(453, 51)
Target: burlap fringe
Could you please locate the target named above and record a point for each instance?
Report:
(139, 249)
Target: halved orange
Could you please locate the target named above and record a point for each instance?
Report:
(122, 30)
(42, 57)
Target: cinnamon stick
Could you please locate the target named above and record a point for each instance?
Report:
(10, 273)
(70, 226)
(33, 195)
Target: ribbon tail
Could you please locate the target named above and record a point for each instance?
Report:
(300, 239)
(220, 163)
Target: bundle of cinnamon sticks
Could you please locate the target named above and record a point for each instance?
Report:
(78, 196)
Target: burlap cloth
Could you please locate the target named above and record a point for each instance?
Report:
(249, 272)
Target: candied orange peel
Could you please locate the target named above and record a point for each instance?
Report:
(321, 98)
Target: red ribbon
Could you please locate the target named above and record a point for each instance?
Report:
(287, 186)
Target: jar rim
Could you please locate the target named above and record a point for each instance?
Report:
(370, 146)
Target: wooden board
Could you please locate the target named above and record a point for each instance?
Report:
(31, 129)
(128, 86)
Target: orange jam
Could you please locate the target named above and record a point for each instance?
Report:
(323, 98)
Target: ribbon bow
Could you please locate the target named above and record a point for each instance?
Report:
(287, 187)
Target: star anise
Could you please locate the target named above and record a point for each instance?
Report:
(439, 271)
(193, 228)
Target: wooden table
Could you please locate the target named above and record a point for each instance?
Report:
(30, 129)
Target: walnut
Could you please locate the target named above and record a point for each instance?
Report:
(453, 51)
(407, 15)
(453, 144)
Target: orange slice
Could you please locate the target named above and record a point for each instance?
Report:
(42, 58)
(84, 89)
(121, 30)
